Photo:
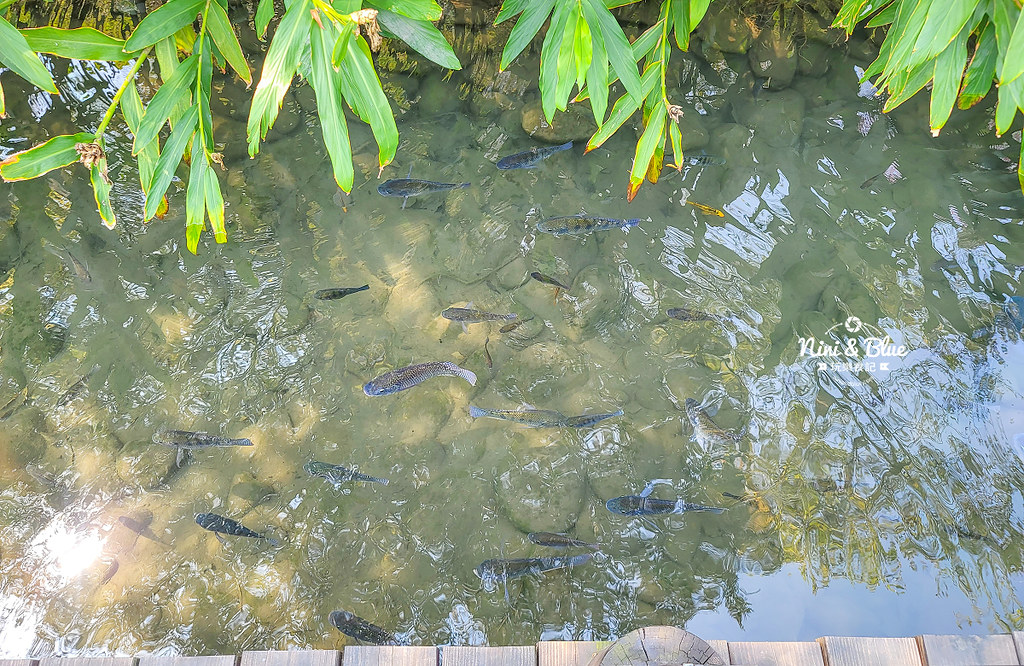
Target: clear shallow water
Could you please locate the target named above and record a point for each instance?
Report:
(885, 502)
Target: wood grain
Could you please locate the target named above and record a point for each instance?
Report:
(458, 655)
(87, 661)
(967, 650)
(776, 654)
(283, 658)
(17, 662)
(856, 651)
(149, 660)
(568, 653)
(388, 655)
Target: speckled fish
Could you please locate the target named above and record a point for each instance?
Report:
(703, 159)
(587, 420)
(536, 418)
(547, 279)
(358, 628)
(531, 158)
(637, 505)
(77, 266)
(470, 316)
(508, 328)
(185, 439)
(221, 525)
(337, 474)
(411, 187)
(503, 569)
(703, 427)
(404, 378)
(685, 314)
(553, 540)
(75, 389)
(335, 293)
(573, 225)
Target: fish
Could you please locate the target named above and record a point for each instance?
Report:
(337, 474)
(487, 354)
(335, 293)
(531, 158)
(411, 187)
(142, 528)
(535, 418)
(111, 570)
(75, 389)
(552, 540)
(185, 439)
(703, 159)
(508, 328)
(470, 316)
(640, 505)
(587, 420)
(221, 525)
(507, 569)
(79, 268)
(707, 210)
(540, 277)
(891, 173)
(404, 378)
(358, 628)
(573, 225)
(12, 405)
(686, 314)
(703, 427)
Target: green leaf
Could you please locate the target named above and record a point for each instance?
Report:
(1008, 101)
(420, 10)
(510, 8)
(583, 51)
(852, 11)
(623, 108)
(982, 70)
(16, 54)
(195, 197)
(525, 30)
(422, 36)
(278, 69)
(943, 23)
(698, 8)
(131, 108)
(884, 17)
(341, 45)
(550, 53)
(1020, 167)
(3, 107)
(328, 107)
(166, 57)
(172, 92)
(80, 43)
(361, 88)
(219, 27)
(653, 136)
(101, 190)
(676, 137)
(620, 53)
(597, 77)
(169, 158)
(905, 84)
(905, 35)
(215, 205)
(264, 12)
(681, 18)
(949, 69)
(163, 22)
(567, 59)
(1013, 59)
(56, 153)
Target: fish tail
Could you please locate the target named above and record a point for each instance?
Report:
(244, 441)
(373, 479)
(708, 509)
(274, 543)
(565, 146)
(476, 412)
(577, 560)
(632, 222)
(617, 412)
(468, 375)
(462, 186)
(363, 288)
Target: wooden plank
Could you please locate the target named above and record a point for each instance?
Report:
(568, 653)
(279, 658)
(17, 662)
(227, 660)
(722, 648)
(1018, 642)
(388, 655)
(87, 661)
(776, 654)
(967, 650)
(460, 655)
(856, 651)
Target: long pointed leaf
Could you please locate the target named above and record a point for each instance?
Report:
(623, 108)
(219, 27)
(170, 94)
(981, 71)
(422, 36)
(420, 10)
(163, 22)
(941, 27)
(549, 56)
(328, 106)
(949, 69)
(79, 43)
(215, 206)
(131, 109)
(567, 59)
(653, 136)
(681, 18)
(56, 153)
(101, 190)
(698, 8)
(510, 8)
(361, 88)
(676, 138)
(170, 156)
(1008, 101)
(16, 54)
(525, 29)
(620, 53)
(1013, 59)
(597, 75)
(264, 12)
(195, 197)
(583, 51)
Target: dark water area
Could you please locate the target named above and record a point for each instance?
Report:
(876, 492)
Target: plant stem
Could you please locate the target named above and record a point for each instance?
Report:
(129, 80)
(664, 62)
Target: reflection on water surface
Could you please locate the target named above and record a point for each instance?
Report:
(882, 500)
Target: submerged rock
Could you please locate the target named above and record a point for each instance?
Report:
(773, 56)
(776, 118)
(574, 124)
(724, 29)
(544, 495)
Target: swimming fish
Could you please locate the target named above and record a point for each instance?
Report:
(540, 277)
(503, 569)
(403, 378)
(77, 267)
(536, 418)
(411, 187)
(337, 474)
(186, 439)
(141, 527)
(552, 540)
(636, 505)
(470, 316)
(358, 628)
(703, 159)
(75, 389)
(12, 405)
(703, 427)
(487, 354)
(587, 420)
(531, 158)
(572, 225)
(707, 210)
(508, 328)
(338, 292)
(685, 314)
(221, 525)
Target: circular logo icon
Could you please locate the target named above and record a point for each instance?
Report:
(853, 324)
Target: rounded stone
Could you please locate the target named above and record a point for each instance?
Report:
(146, 464)
(776, 118)
(246, 494)
(543, 493)
(694, 135)
(724, 29)
(773, 56)
(574, 124)
(814, 59)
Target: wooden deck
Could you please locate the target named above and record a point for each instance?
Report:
(929, 650)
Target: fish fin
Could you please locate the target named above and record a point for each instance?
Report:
(468, 375)
(405, 200)
(410, 172)
(476, 412)
(464, 185)
(648, 489)
(566, 146)
(465, 328)
(274, 543)
(179, 457)
(221, 539)
(648, 524)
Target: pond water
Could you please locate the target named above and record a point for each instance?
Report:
(884, 499)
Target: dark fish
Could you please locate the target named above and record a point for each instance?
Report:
(337, 474)
(587, 420)
(540, 277)
(572, 225)
(704, 428)
(503, 569)
(552, 540)
(360, 629)
(637, 505)
(338, 292)
(531, 158)
(79, 268)
(221, 525)
(186, 439)
(75, 389)
(470, 316)
(508, 328)
(403, 378)
(703, 159)
(111, 570)
(411, 187)
(537, 418)
(685, 314)
(141, 528)
(12, 405)
(487, 354)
